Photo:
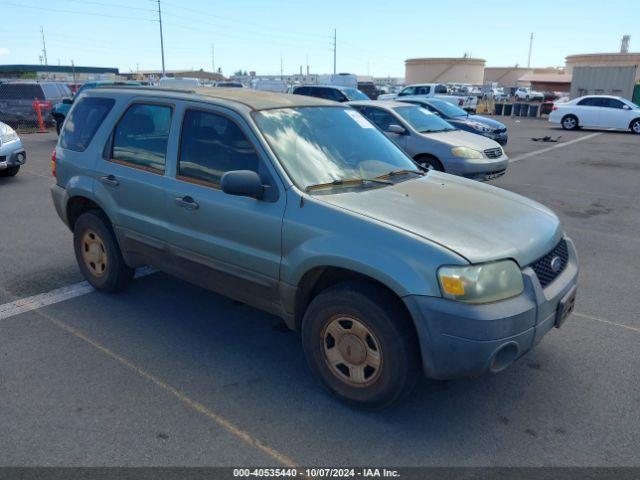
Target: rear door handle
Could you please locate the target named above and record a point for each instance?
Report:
(110, 180)
(187, 202)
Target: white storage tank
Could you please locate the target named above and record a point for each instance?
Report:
(444, 70)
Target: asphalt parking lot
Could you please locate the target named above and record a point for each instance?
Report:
(168, 374)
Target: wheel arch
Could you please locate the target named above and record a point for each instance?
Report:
(637, 119)
(79, 204)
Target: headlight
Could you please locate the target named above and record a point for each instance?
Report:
(7, 134)
(481, 127)
(484, 283)
(466, 152)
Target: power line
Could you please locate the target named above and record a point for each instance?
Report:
(57, 10)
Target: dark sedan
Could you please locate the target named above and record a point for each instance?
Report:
(462, 120)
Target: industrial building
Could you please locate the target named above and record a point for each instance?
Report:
(621, 59)
(444, 70)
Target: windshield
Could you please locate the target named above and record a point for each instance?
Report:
(318, 145)
(447, 109)
(423, 120)
(354, 94)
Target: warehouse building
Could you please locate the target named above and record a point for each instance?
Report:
(444, 70)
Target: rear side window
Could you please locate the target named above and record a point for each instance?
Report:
(302, 91)
(21, 91)
(141, 136)
(51, 90)
(212, 145)
(423, 90)
(441, 89)
(590, 102)
(83, 122)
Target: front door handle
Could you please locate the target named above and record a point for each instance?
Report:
(187, 202)
(110, 180)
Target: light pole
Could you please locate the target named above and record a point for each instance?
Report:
(161, 39)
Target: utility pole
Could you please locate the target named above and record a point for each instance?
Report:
(161, 39)
(44, 46)
(213, 58)
(530, 48)
(335, 48)
(281, 69)
(73, 71)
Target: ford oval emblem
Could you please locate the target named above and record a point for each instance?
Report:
(555, 264)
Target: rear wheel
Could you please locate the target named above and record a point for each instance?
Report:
(569, 122)
(430, 162)
(59, 125)
(10, 172)
(98, 254)
(635, 126)
(359, 343)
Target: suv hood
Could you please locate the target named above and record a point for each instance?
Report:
(477, 221)
(460, 138)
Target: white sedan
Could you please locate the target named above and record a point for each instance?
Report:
(600, 111)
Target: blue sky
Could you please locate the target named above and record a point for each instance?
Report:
(373, 37)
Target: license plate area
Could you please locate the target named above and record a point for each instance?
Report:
(565, 307)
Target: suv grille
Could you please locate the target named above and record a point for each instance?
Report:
(542, 266)
(493, 153)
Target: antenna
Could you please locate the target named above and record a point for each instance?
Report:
(161, 38)
(530, 48)
(44, 46)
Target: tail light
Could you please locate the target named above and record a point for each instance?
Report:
(53, 162)
(554, 108)
(460, 102)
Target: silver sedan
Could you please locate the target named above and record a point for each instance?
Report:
(435, 143)
(12, 153)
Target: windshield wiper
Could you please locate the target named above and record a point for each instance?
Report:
(393, 173)
(349, 181)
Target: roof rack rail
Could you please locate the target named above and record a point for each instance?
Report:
(145, 87)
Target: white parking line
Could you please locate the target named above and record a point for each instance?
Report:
(548, 149)
(58, 295)
(607, 322)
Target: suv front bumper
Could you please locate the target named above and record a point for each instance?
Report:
(464, 340)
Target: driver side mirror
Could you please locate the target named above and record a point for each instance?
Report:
(397, 129)
(626, 107)
(243, 183)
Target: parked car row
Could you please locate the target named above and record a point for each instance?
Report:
(16, 100)
(435, 90)
(302, 207)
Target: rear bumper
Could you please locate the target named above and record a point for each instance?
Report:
(463, 340)
(59, 197)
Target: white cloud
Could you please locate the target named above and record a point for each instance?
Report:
(4, 51)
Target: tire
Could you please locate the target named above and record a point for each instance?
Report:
(635, 126)
(59, 126)
(427, 161)
(370, 382)
(569, 122)
(98, 254)
(10, 172)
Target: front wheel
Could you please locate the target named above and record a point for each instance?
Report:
(10, 172)
(430, 163)
(635, 126)
(569, 122)
(98, 253)
(360, 344)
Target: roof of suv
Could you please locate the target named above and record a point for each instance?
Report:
(253, 99)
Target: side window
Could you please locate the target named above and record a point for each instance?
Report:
(83, 122)
(51, 90)
(301, 91)
(407, 91)
(589, 102)
(335, 95)
(612, 103)
(140, 137)
(440, 89)
(423, 90)
(210, 146)
(381, 118)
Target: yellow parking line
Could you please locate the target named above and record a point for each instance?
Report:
(197, 406)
